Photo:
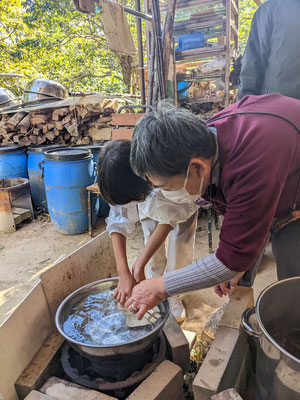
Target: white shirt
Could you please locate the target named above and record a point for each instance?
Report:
(122, 219)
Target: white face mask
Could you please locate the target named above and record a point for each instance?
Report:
(182, 196)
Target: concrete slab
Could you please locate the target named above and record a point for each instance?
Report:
(178, 343)
(229, 394)
(34, 395)
(64, 390)
(165, 383)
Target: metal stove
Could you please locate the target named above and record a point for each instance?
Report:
(116, 378)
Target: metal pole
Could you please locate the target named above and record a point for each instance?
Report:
(140, 52)
(138, 14)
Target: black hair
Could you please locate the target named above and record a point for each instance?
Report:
(165, 140)
(117, 182)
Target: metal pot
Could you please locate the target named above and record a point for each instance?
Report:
(112, 351)
(277, 313)
(43, 89)
(6, 97)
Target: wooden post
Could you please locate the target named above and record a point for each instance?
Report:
(140, 51)
(227, 50)
(168, 35)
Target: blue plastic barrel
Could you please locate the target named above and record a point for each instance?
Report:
(35, 173)
(190, 41)
(13, 162)
(67, 173)
(183, 89)
(96, 149)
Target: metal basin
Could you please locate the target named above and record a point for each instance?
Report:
(96, 351)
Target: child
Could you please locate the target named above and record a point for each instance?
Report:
(131, 198)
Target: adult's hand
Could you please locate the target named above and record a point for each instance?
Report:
(146, 295)
(124, 288)
(228, 287)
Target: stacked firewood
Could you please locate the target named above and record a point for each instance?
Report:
(76, 124)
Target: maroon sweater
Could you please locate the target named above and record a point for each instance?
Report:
(260, 173)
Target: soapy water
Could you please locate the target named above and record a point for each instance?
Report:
(97, 320)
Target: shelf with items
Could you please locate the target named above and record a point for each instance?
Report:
(218, 25)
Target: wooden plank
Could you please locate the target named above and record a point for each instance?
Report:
(192, 3)
(204, 51)
(201, 100)
(45, 364)
(198, 56)
(234, 8)
(21, 337)
(126, 119)
(20, 214)
(189, 77)
(118, 134)
(190, 26)
(17, 219)
(91, 262)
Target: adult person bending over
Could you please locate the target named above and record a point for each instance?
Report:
(246, 161)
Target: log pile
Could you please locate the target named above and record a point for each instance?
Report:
(76, 124)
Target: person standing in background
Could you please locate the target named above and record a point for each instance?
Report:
(271, 62)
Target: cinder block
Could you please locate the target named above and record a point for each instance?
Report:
(34, 395)
(100, 134)
(179, 345)
(44, 364)
(190, 337)
(222, 364)
(64, 390)
(229, 394)
(240, 300)
(165, 383)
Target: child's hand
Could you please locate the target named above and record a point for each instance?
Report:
(138, 272)
(124, 288)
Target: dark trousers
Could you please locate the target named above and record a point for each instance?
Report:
(286, 251)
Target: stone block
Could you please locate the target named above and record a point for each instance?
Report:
(179, 346)
(100, 134)
(34, 395)
(229, 394)
(64, 390)
(44, 364)
(222, 365)
(240, 300)
(165, 383)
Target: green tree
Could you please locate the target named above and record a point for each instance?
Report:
(247, 9)
(49, 38)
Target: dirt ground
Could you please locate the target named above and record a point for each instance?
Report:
(30, 250)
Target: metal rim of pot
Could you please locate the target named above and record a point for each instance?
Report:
(67, 154)
(16, 183)
(255, 310)
(97, 346)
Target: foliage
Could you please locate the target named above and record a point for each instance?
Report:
(247, 10)
(49, 38)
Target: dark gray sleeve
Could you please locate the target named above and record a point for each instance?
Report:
(203, 273)
(255, 58)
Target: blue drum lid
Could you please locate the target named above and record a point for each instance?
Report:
(68, 154)
(42, 149)
(11, 149)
